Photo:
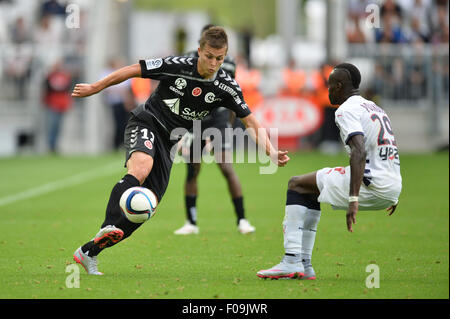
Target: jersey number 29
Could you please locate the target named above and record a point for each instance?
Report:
(385, 125)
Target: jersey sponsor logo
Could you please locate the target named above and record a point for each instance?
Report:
(210, 97)
(186, 113)
(227, 89)
(389, 153)
(196, 91)
(176, 90)
(189, 114)
(173, 104)
(180, 83)
(234, 94)
(153, 63)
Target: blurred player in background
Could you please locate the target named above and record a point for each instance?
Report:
(119, 99)
(371, 182)
(219, 118)
(189, 89)
(57, 101)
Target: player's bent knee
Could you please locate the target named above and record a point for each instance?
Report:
(304, 184)
(140, 173)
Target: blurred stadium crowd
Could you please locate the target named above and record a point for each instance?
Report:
(34, 37)
(417, 26)
(41, 56)
(40, 59)
(402, 21)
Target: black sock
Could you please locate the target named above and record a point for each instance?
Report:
(113, 214)
(191, 209)
(91, 249)
(238, 203)
(307, 200)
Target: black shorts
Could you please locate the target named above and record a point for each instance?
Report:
(148, 137)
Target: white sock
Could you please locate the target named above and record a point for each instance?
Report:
(292, 229)
(311, 220)
(193, 214)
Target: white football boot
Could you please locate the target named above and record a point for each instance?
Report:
(187, 229)
(285, 269)
(309, 271)
(244, 227)
(88, 263)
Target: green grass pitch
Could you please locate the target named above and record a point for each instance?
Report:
(51, 205)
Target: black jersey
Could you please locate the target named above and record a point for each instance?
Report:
(183, 95)
(219, 117)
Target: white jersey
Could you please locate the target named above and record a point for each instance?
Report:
(382, 172)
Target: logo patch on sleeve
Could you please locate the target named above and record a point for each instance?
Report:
(153, 63)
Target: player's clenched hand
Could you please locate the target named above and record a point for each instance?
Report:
(83, 90)
(280, 158)
(351, 215)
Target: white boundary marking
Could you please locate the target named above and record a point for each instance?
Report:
(73, 180)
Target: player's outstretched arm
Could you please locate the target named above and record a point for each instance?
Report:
(259, 135)
(357, 166)
(118, 76)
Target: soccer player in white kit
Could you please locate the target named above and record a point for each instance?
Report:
(372, 181)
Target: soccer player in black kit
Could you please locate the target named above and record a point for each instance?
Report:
(189, 89)
(219, 118)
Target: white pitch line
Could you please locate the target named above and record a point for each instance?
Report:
(61, 184)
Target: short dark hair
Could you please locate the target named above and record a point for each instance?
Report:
(355, 75)
(207, 26)
(215, 36)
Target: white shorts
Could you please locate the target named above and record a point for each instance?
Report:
(334, 187)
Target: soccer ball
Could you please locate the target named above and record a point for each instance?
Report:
(138, 204)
